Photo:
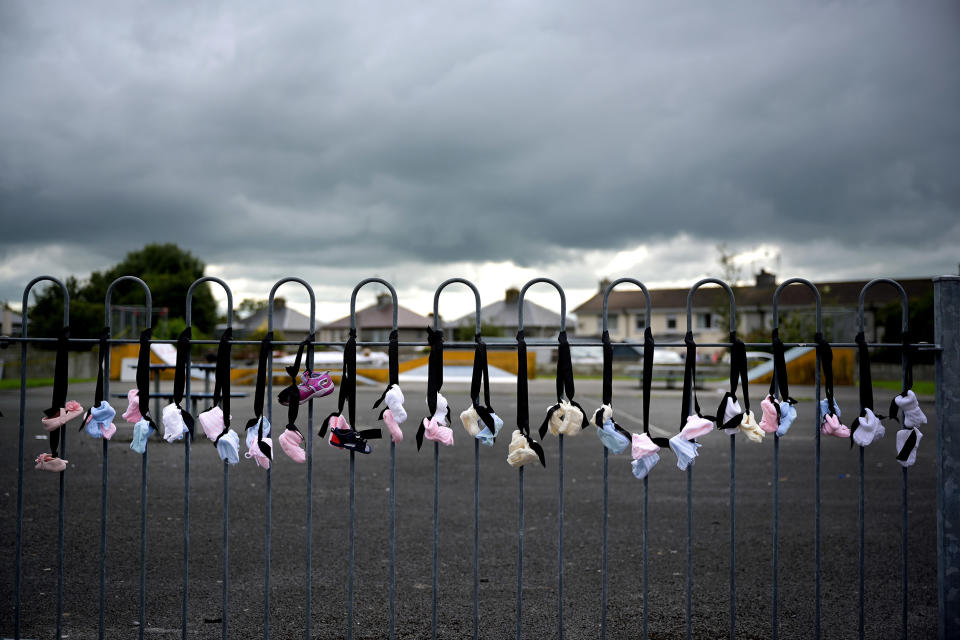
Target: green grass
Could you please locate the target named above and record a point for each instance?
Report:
(920, 387)
(37, 382)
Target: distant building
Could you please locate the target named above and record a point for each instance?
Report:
(293, 324)
(538, 322)
(626, 318)
(375, 322)
(11, 323)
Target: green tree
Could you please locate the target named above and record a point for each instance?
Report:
(166, 268)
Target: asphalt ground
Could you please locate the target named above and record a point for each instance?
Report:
(498, 527)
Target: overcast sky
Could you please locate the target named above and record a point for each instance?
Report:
(497, 141)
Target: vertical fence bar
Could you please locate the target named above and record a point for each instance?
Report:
(646, 532)
(225, 553)
(603, 547)
(19, 553)
(393, 538)
(104, 473)
(436, 535)
(689, 600)
(733, 535)
(860, 550)
(816, 508)
(143, 543)
(560, 539)
(520, 553)
(775, 599)
(904, 607)
(352, 549)
(476, 539)
(60, 522)
(946, 295)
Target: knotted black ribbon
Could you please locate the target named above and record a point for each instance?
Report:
(60, 381)
(292, 393)
(393, 368)
(648, 351)
(180, 376)
(348, 391)
(825, 352)
(690, 381)
(866, 384)
(911, 440)
(101, 358)
(143, 376)
(221, 382)
(434, 378)
(481, 377)
(565, 386)
(607, 391)
(779, 380)
(523, 409)
(260, 392)
(738, 374)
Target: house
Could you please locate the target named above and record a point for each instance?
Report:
(626, 318)
(538, 322)
(294, 325)
(11, 323)
(375, 322)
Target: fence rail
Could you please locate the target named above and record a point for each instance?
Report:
(946, 348)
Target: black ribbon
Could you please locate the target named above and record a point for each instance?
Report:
(523, 409)
(347, 388)
(143, 375)
(60, 381)
(565, 386)
(180, 376)
(101, 357)
(434, 378)
(393, 368)
(738, 374)
(866, 383)
(481, 377)
(779, 379)
(825, 352)
(292, 393)
(648, 351)
(260, 392)
(221, 377)
(907, 351)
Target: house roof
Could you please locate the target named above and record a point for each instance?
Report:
(380, 316)
(504, 314)
(284, 319)
(833, 294)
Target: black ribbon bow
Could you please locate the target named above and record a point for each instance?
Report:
(911, 440)
(260, 392)
(738, 373)
(180, 376)
(523, 409)
(481, 377)
(393, 369)
(221, 383)
(434, 378)
(825, 352)
(565, 386)
(101, 358)
(60, 381)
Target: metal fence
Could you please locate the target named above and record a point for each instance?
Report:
(946, 348)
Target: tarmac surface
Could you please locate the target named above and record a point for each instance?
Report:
(498, 530)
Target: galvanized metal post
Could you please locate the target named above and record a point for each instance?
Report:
(946, 296)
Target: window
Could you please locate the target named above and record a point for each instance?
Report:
(704, 320)
(641, 321)
(613, 322)
(671, 322)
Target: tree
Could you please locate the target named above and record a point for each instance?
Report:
(166, 268)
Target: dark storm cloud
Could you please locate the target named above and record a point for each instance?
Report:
(263, 138)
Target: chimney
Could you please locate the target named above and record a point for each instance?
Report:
(766, 280)
(604, 284)
(383, 299)
(512, 295)
(279, 304)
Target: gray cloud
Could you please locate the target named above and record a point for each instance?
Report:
(347, 138)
